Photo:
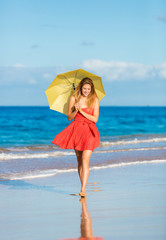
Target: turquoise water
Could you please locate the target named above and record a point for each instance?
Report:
(129, 135)
(21, 126)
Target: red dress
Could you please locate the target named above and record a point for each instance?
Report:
(81, 134)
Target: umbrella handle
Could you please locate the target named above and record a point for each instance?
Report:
(74, 87)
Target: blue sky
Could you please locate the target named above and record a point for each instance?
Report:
(123, 41)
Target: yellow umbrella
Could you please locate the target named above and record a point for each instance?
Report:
(63, 87)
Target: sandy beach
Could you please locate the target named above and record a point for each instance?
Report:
(122, 203)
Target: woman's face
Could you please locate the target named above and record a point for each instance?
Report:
(86, 89)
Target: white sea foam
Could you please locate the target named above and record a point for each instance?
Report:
(53, 172)
(52, 147)
(133, 141)
(130, 149)
(40, 174)
(10, 156)
(123, 164)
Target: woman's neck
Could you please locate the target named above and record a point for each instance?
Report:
(83, 101)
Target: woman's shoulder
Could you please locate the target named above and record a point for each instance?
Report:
(72, 98)
(96, 101)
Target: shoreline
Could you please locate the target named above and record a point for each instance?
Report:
(54, 172)
(126, 202)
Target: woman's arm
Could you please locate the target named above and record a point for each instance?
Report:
(95, 116)
(70, 114)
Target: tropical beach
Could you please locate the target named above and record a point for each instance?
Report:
(83, 120)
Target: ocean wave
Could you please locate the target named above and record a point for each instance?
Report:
(123, 140)
(132, 141)
(53, 172)
(10, 156)
(130, 149)
(29, 148)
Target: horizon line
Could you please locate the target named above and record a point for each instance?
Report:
(100, 106)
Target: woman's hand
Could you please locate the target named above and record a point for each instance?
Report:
(94, 117)
(77, 106)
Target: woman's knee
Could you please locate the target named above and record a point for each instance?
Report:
(78, 154)
(85, 163)
(79, 157)
(86, 156)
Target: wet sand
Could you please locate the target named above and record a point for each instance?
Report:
(122, 203)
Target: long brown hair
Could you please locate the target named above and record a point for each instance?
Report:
(78, 92)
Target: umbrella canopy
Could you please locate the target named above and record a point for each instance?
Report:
(63, 87)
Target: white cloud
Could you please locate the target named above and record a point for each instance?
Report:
(113, 71)
(23, 76)
(47, 75)
(32, 81)
(19, 65)
(161, 69)
(20, 75)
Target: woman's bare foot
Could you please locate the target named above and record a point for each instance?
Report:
(82, 194)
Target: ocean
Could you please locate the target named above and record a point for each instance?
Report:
(129, 135)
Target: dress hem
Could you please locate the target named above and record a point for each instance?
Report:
(75, 148)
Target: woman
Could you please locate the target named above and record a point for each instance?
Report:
(82, 134)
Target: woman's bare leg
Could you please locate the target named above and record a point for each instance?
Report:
(86, 154)
(79, 160)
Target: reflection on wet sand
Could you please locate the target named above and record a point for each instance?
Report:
(93, 188)
(86, 224)
(86, 221)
